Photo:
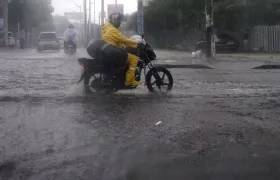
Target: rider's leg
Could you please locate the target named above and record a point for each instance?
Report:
(86, 79)
(65, 45)
(130, 74)
(75, 45)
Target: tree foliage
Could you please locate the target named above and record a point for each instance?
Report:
(168, 15)
(173, 14)
(31, 13)
(163, 17)
(236, 14)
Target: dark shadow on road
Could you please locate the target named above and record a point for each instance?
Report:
(268, 66)
(88, 98)
(189, 66)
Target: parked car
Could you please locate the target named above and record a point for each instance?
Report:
(223, 43)
(226, 42)
(48, 41)
(11, 39)
(61, 41)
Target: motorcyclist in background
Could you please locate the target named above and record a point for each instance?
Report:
(70, 36)
(111, 35)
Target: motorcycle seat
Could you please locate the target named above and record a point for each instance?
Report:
(87, 61)
(94, 66)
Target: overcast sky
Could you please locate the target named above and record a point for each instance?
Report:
(61, 6)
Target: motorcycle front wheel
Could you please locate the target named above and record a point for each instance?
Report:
(159, 80)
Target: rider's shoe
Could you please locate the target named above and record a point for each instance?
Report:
(132, 85)
(87, 88)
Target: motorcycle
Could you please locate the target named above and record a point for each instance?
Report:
(70, 48)
(113, 79)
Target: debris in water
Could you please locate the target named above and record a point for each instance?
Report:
(158, 123)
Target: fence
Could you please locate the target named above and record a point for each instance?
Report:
(265, 38)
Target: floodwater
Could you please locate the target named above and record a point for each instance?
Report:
(215, 124)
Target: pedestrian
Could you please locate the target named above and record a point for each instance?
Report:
(200, 48)
(21, 43)
(245, 40)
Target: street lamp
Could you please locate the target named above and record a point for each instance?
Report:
(90, 3)
(102, 12)
(80, 26)
(85, 21)
(80, 7)
(94, 30)
(89, 21)
(210, 50)
(5, 5)
(140, 18)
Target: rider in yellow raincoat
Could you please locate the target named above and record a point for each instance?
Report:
(111, 35)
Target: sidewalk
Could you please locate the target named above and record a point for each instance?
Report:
(237, 61)
(171, 59)
(250, 56)
(179, 55)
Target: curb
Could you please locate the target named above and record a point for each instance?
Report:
(189, 66)
(268, 66)
(32, 59)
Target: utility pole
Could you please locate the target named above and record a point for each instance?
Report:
(89, 21)
(81, 17)
(210, 43)
(6, 17)
(140, 18)
(94, 30)
(99, 19)
(102, 12)
(18, 30)
(85, 21)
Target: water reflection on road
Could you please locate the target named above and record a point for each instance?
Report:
(215, 124)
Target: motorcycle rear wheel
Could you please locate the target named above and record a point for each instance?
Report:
(101, 90)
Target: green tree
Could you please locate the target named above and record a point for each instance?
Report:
(15, 13)
(31, 13)
(170, 21)
(236, 14)
(173, 14)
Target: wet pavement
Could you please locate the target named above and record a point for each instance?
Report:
(216, 124)
(228, 61)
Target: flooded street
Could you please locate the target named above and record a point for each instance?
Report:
(216, 124)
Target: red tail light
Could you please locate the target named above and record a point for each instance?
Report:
(83, 66)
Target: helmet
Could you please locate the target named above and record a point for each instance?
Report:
(116, 19)
(71, 26)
